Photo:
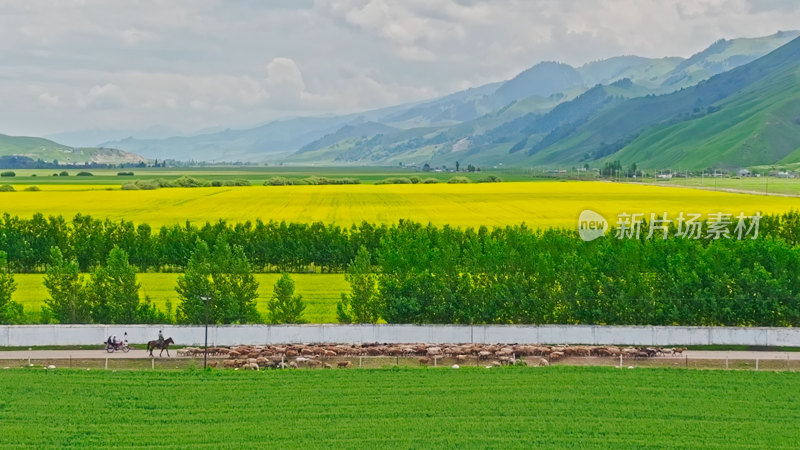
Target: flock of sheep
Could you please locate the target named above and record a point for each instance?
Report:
(250, 357)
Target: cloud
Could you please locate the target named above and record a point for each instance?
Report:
(134, 37)
(285, 82)
(199, 63)
(106, 96)
(49, 99)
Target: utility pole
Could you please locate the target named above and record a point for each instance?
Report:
(206, 300)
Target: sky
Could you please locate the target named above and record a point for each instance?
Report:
(189, 65)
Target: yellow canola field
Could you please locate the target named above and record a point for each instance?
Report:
(539, 204)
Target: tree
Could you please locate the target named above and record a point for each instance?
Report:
(225, 278)
(113, 291)
(362, 305)
(147, 312)
(285, 307)
(458, 166)
(236, 289)
(633, 170)
(195, 285)
(10, 311)
(68, 301)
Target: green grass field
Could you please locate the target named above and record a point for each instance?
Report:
(760, 185)
(539, 204)
(255, 174)
(320, 291)
(405, 408)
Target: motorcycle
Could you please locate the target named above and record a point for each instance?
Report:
(111, 347)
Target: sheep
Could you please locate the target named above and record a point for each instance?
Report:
(344, 364)
(229, 363)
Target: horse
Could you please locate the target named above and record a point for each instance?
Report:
(152, 345)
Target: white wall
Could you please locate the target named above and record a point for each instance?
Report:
(37, 335)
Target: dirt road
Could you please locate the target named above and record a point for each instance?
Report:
(139, 354)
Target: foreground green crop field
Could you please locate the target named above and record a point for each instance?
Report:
(539, 204)
(515, 407)
(320, 292)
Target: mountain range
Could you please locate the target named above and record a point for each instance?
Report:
(34, 148)
(734, 104)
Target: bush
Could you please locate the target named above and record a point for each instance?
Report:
(315, 180)
(12, 313)
(430, 181)
(8, 174)
(240, 182)
(490, 179)
(32, 188)
(63, 173)
(277, 181)
(415, 179)
(124, 174)
(146, 185)
(85, 174)
(395, 180)
(458, 180)
(187, 181)
(7, 188)
(217, 183)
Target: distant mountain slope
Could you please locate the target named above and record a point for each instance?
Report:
(646, 72)
(504, 122)
(541, 80)
(49, 151)
(722, 56)
(232, 145)
(367, 129)
(758, 125)
(741, 117)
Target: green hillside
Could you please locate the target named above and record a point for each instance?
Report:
(49, 151)
(758, 126)
(716, 122)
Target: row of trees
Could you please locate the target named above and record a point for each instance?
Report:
(428, 274)
(218, 286)
(268, 246)
(513, 275)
